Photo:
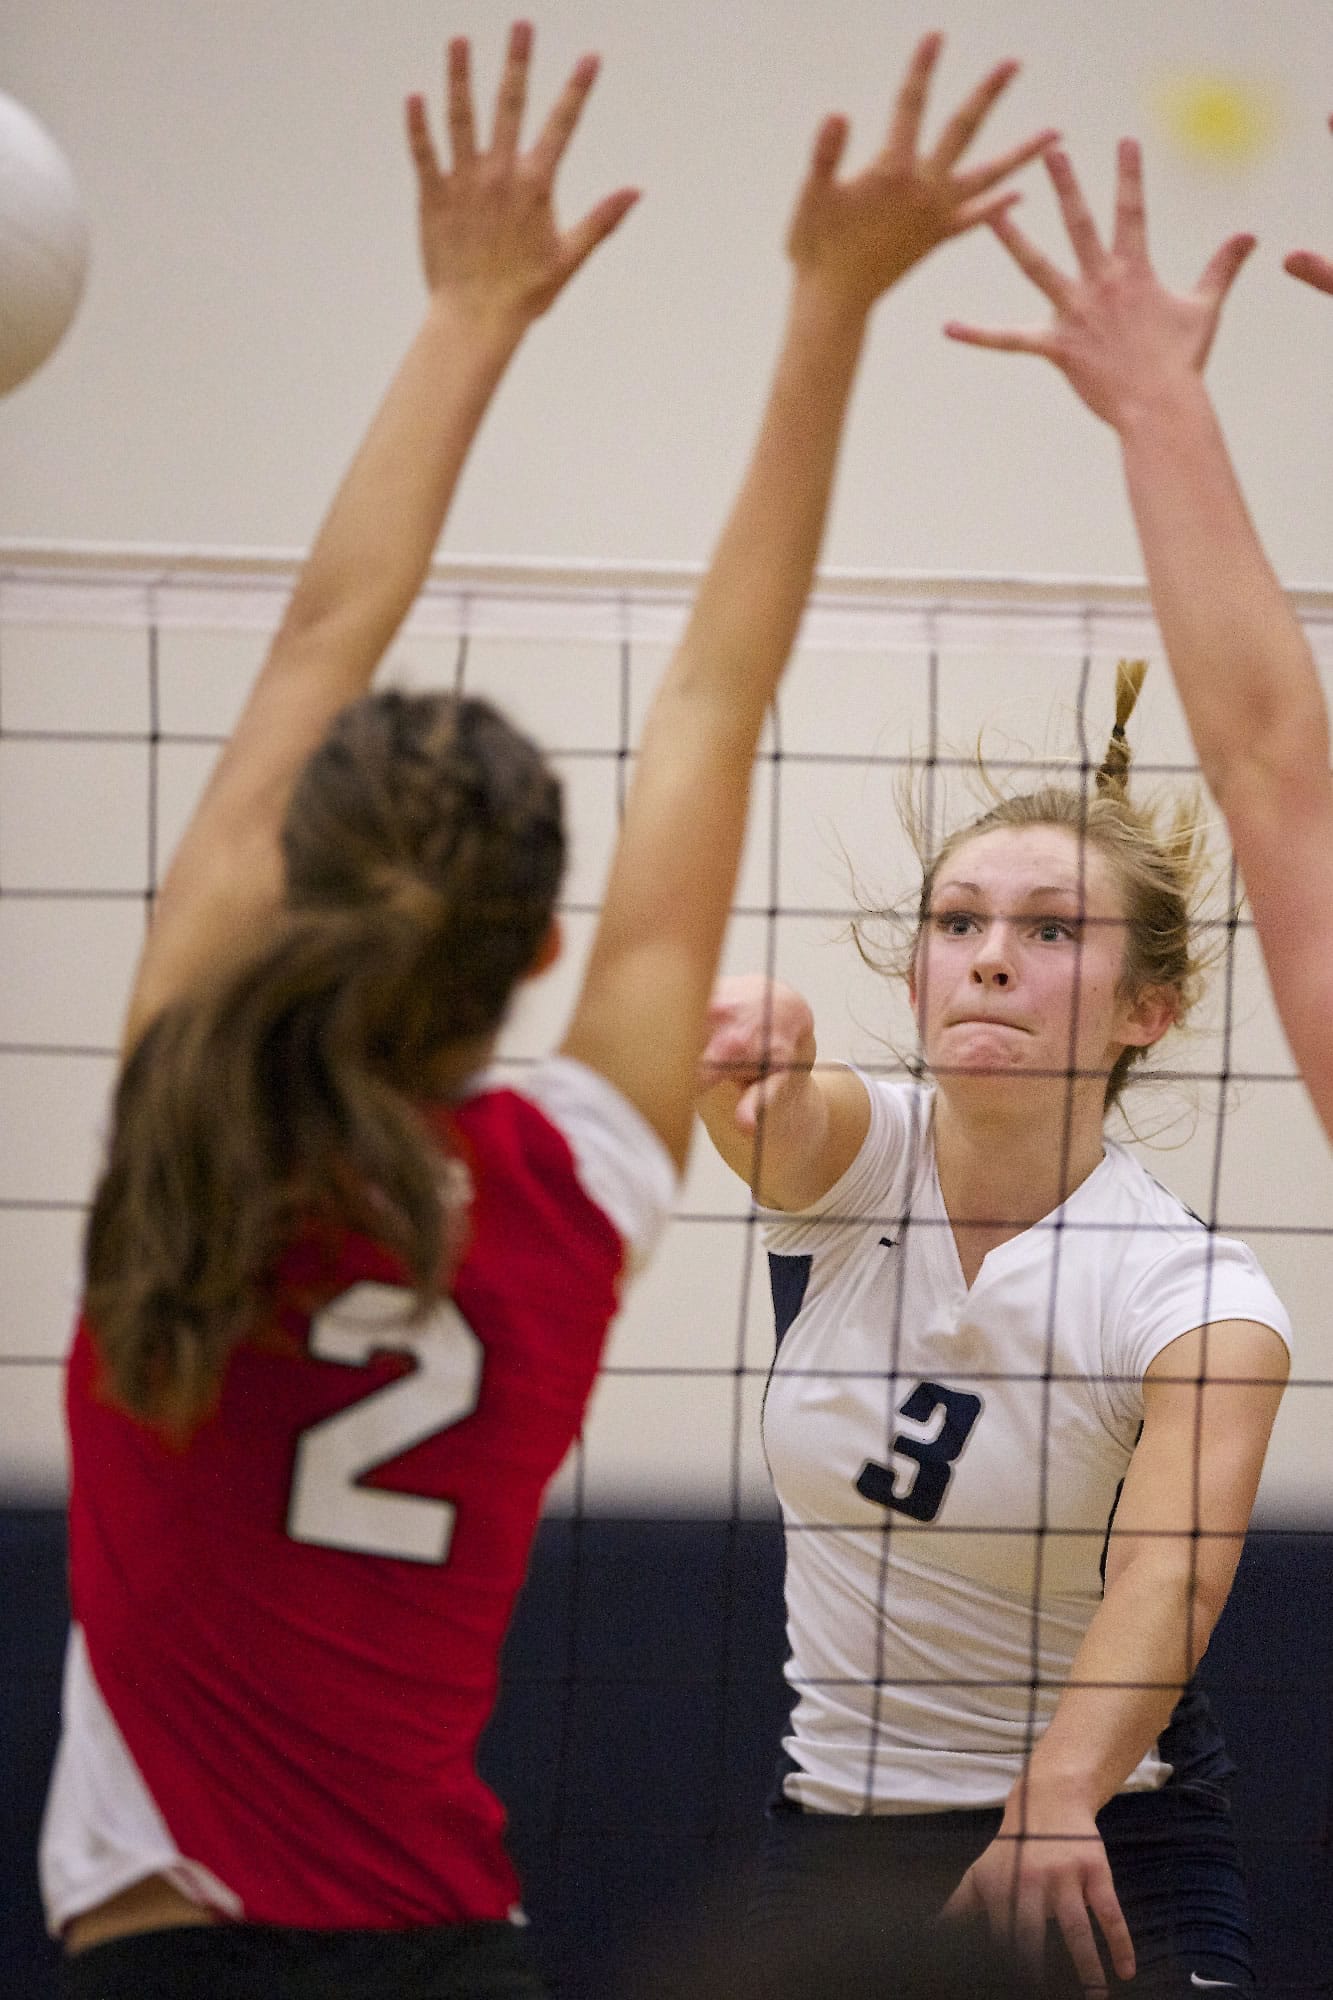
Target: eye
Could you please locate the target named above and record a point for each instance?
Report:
(954, 923)
(1050, 930)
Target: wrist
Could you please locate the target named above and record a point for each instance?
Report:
(478, 316)
(1149, 410)
(1045, 1798)
(827, 305)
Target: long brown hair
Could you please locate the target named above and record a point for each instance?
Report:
(423, 850)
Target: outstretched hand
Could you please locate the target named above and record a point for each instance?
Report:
(1041, 1874)
(1309, 266)
(1118, 334)
(488, 230)
(862, 234)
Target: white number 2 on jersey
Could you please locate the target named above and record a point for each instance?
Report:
(329, 1505)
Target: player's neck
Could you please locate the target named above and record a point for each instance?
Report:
(1000, 1170)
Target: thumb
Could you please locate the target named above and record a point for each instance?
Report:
(1310, 268)
(748, 1107)
(1224, 266)
(966, 1900)
(763, 1098)
(596, 226)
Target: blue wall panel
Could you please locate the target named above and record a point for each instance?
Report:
(643, 1703)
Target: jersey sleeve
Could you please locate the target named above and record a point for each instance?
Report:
(1196, 1282)
(875, 1184)
(621, 1162)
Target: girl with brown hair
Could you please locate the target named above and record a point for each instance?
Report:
(1017, 1413)
(346, 1291)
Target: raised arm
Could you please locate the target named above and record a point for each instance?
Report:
(641, 1015)
(1134, 352)
(1309, 265)
(494, 260)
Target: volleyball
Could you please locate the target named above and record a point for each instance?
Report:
(43, 244)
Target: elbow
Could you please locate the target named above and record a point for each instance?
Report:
(1202, 1566)
(1271, 798)
(1196, 1605)
(1276, 750)
(1205, 1601)
(312, 623)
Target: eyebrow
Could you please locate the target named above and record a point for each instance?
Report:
(1033, 895)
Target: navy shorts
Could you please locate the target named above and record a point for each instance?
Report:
(268, 1962)
(1173, 1858)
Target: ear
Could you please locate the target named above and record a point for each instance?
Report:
(548, 951)
(911, 975)
(1145, 1018)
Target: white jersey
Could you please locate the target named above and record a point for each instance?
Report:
(948, 1460)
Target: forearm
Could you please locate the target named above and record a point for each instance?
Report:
(745, 617)
(1240, 659)
(1144, 1642)
(780, 1155)
(685, 816)
(375, 545)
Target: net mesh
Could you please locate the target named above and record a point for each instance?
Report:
(119, 680)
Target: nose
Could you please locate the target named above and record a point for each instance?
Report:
(990, 963)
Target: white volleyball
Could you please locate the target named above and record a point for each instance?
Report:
(43, 244)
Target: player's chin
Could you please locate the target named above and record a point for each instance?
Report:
(981, 1049)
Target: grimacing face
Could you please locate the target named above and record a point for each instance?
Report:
(1020, 961)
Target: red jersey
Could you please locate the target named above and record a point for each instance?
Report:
(287, 1632)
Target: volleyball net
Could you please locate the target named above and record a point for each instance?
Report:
(643, 1700)
(121, 673)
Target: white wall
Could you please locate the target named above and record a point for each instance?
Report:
(254, 275)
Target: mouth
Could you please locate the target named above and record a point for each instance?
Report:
(986, 1021)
